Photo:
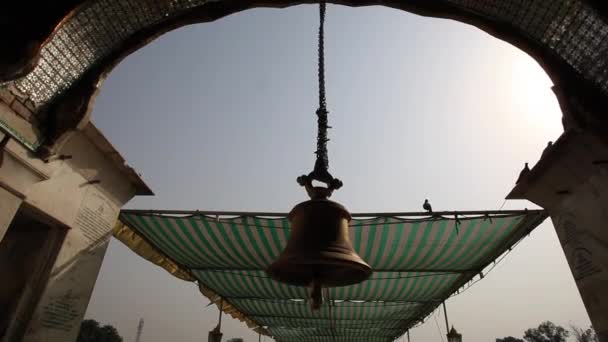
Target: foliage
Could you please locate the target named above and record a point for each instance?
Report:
(546, 332)
(91, 331)
(581, 335)
(509, 339)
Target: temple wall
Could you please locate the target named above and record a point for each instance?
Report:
(581, 222)
(72, 202)
(571, 182)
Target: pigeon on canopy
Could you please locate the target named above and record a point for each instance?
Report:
(427, 206)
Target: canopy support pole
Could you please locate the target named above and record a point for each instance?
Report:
(219, 324)
(220, 214)
(445, 312)
(215, 335)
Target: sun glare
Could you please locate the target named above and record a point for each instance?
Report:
(531, 91)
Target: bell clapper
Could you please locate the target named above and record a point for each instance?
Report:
(316, 295)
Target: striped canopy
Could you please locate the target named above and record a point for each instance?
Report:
(418, 261)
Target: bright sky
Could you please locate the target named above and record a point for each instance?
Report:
(220, 116)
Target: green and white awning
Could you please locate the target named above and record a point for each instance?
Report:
(418, 262)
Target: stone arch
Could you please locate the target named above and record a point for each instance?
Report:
(567, 37)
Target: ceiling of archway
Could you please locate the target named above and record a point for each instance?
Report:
(568, 37)
(101, 31)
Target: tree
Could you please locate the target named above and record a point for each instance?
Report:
(91, 331)
(581, 335)
(509, 339)
(546, 332)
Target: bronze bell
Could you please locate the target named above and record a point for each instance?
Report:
(319, 252)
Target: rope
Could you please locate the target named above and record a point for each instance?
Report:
(321, 55)
(496, 262)
(322, 162)
(503, 204)
(437, 324)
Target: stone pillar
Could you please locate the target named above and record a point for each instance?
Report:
(65, 298)
(38, 245)
(571, 182)
(9, 203)
(76, 200)
(581, 222)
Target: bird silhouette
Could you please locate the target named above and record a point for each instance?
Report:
(427, 206)
(547, 149)
(524, 172)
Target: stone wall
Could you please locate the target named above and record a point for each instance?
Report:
(571, 182)
(78, 192)
(581, 222)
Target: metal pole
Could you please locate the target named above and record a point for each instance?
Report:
(447, 325)
(276, 214)
(259, 337)
(221, 309)
(408, 336)
(215, 335)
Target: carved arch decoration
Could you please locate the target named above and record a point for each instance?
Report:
(61, 59)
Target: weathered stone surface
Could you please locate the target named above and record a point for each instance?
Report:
(571, 182)
(66, 297)
(30, 105)
(580, 224)
(6, 96)
(22, 110)
(54, 301)
(9, 203)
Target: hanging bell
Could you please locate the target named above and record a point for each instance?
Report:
(319, 252)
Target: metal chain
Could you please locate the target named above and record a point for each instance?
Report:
(322, 163)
